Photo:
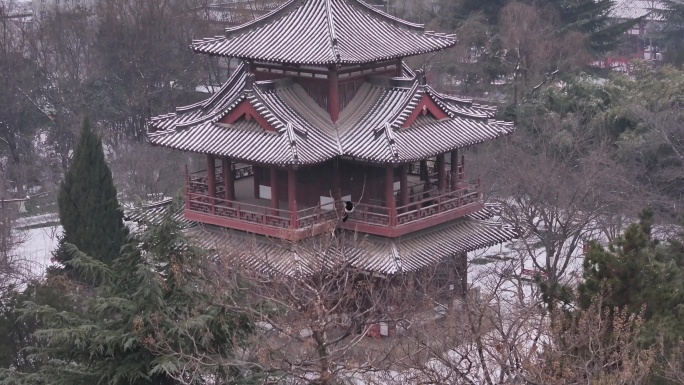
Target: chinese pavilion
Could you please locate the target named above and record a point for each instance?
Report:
(322, 110)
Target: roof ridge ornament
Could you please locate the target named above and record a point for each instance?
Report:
(249, 82)
(389, 136)
(420, 76)
(292, 140)
(331, 31)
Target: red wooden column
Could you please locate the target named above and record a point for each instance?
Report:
(275, 202)
(441, 172)
(454, 170)
(333, 95)
(404, 185)
(389, 195)
(228, 181)
(292, 196)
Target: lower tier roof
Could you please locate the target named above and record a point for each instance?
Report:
(375, 254)
(366, 252)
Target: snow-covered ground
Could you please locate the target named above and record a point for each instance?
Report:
(38, 246)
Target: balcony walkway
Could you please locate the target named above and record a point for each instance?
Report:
(248, 213)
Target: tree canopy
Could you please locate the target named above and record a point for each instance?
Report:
(152, 299)
(89, 211)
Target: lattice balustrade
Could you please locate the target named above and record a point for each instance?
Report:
(251, 217)
(227, 212)
(200, 207)
(319, 216)
(423, 204)
(372, 218)
(198, 185)
(437, 204)
(277, 221)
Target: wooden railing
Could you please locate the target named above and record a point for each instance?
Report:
(373, 217)
(439, 203)
(371, 214)
(313, 215)
(240, 211)
(197, 181)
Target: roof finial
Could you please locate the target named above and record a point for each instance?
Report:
(420, 76)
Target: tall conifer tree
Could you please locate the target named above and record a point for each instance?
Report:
(156, 318)
(672, 33)
(88, 209)
(592, 17)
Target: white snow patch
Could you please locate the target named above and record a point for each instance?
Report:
(38, 247)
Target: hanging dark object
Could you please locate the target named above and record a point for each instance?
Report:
(348, 209)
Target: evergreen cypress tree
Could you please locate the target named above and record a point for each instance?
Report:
(643, 276)
(88, 209)
(672, 34)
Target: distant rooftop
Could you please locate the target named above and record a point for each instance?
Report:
(633, 9)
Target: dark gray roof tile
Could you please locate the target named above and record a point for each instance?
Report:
(370, 127)
(322, 32)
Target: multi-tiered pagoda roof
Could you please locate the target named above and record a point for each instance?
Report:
(322, 112)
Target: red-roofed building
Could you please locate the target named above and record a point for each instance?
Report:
(321, 111)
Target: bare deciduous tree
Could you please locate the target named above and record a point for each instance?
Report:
(14, 270)
(558, 183)
(531, 55)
